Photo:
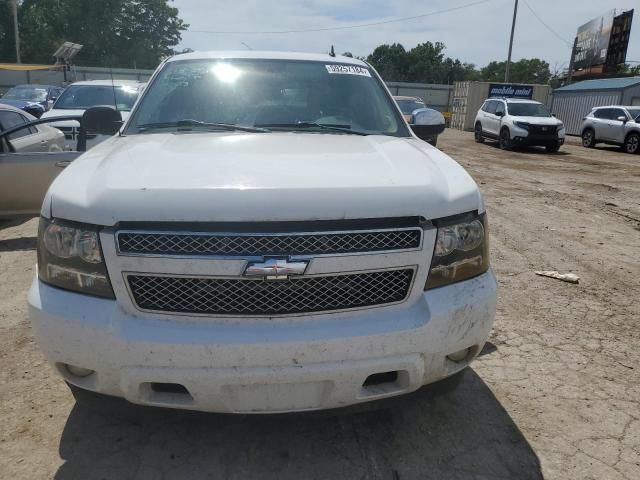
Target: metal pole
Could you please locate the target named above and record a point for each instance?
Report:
(507, 73)
(14, 7)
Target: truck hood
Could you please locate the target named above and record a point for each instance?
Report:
(234, 176)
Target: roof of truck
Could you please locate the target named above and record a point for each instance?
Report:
(222, 54)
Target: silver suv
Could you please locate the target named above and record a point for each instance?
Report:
(613, 125)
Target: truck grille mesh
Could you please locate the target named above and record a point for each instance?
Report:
(217, 296)
(158, 243)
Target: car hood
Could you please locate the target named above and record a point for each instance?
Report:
(71, 113)
(234, 176)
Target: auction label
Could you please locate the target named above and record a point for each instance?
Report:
(348, 70)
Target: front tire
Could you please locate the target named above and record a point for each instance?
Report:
(588, 138)
(505, 139)
(632, 143)
(477, 133)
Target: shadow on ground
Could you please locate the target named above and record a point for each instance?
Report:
(14, 244)
(436, 433)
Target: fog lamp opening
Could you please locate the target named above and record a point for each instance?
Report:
(460, 355)
(78, 371)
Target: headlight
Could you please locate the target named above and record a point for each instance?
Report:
(560, 127)
(523, 125)
(461, 251)
(70, 257)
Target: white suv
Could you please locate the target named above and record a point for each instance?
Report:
(266, 235)
(517, 122)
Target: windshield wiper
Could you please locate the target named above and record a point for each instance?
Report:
(188, 124)
(322, 126)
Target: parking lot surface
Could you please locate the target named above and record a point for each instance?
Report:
(555, 394)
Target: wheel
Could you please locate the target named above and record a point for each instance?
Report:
(553, 148)
(588, 138)
(505, 139)
(477, 134)
(632, 143)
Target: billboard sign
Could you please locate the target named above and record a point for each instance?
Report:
(506, 90)
(592, 41)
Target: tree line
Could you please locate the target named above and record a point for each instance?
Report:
(427, 63)
(115, 33)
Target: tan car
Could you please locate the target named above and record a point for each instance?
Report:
(30, 159)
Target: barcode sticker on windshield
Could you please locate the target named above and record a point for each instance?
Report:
(348, 70)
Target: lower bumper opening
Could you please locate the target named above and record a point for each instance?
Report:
(166, 393)
(385, 383)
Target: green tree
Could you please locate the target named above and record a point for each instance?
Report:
(390, 61)
(7, 45)
(425, 63)
(116, 33)
(526, 70)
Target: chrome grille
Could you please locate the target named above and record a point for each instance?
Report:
(176, 243)
(224, 296)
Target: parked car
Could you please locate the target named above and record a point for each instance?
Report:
(37, 138)
(30, 158)
(518, 122)
(267, 234)
(33, 99)
(80, 96)
(408, 105)
(613, 125)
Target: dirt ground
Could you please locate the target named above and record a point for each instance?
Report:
(555, 394)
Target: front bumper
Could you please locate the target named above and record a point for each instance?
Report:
(525, 137)
(263, 365)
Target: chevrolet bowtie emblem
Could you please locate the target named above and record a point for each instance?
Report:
(275, 269)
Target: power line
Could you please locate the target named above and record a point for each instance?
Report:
(569, 44)
(345, 27)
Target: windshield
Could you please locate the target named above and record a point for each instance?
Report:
(274, 94)
(27, 93)
(81, 97)
(528, 110)
(408, 106)
(634, 112)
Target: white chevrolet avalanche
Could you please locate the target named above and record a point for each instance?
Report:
(265, 233)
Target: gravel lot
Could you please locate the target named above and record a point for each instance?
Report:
(556, 393)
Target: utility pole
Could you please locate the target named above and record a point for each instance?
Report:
(14, 7)
(507, 73)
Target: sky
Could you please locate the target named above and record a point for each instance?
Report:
(477, 32)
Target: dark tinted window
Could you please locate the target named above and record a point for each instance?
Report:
(499, 107)
(617, 112)
(604, 113)
(522, 109)
(11, 119)
(490, 106)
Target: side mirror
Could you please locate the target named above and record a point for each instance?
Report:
(499, 114)
(622, 119)
(103, 120)
(553, 115)
(427, 123)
